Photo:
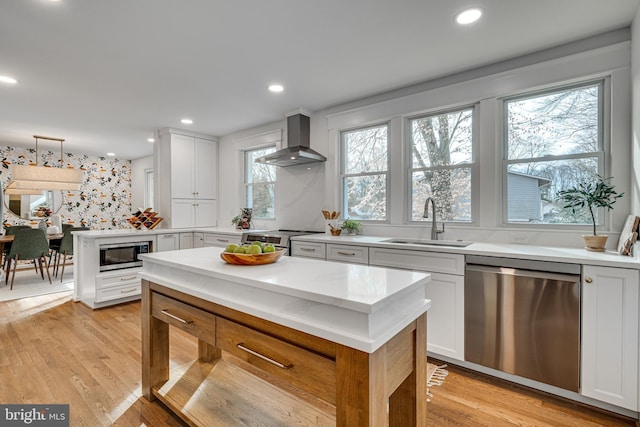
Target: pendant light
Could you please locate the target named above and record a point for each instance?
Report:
(34, 177)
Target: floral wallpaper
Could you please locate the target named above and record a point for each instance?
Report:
(104, 199)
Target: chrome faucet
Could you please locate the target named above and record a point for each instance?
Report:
(434, 225)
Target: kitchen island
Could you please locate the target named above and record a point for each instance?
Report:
(352, 336)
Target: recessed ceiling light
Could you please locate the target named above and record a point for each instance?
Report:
(468, 16)
(7, 79)
(186, 121)
(111, 154)
(151, 140)
(276, 88)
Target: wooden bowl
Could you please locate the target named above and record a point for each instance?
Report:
(252, 259)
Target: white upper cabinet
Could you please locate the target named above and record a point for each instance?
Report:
(193, 168)
(186, 179)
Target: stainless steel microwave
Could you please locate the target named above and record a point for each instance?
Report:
(119, 256)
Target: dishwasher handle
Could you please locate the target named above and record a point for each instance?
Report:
(507, 271)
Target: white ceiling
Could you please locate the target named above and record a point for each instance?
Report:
(105, 74)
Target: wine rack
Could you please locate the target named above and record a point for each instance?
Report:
(144, 219)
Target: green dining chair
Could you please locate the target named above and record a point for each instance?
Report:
(65, 250)
(28, 244)
(11, 231)
(54, 245)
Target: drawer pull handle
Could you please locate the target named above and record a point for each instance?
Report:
(128, 291)
(222, 240)
(173, 316)
(263, 357)
(122, 279)
(347, 253)
(168, 236)
(308, 249)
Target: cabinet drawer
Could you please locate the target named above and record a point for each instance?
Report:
(306, 249)
(190, 319)
(432, 262)
(125, 290)
(292, 363)
(220, 240)
(345, 253)
(104, 282)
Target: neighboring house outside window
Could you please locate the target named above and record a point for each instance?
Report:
(365, 173)
(441, 164)
(552, 140)
(259, 184)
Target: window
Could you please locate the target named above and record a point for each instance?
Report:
(552, 141)
(365, 173)
(441, 162)
(259, 184)
(148, 188)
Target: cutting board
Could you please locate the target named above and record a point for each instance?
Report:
(628, 235)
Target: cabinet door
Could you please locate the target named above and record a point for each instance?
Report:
(183, 213)
(167, 242)
(206, 213)
(445, 326)
(186, 240)
(198, 240)
(182, 167)
(205, 162)
(220, 240)
(610, 335)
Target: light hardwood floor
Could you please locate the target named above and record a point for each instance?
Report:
(53, 350)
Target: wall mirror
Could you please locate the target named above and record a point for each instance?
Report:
(25, 206)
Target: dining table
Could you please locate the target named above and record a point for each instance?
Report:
(9, 238)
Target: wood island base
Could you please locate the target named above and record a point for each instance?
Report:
(383, 388)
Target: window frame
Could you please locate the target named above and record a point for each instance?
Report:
(246, 184)
(602, 156)
(472, 164)
(148, 187)
(386, 173)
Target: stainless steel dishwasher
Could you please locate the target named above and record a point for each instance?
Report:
(523, 317)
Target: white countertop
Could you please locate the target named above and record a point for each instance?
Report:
(355, 305)
(540, 253)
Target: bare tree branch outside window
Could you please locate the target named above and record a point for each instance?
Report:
(553, 141)
(260, 183)
(441, 160)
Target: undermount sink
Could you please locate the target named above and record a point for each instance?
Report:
(450, 243)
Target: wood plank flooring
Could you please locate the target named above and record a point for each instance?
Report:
(53, 350)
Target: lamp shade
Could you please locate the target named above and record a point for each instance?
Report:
(44, 178)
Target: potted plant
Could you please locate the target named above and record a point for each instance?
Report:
(593, 194)
(236, 220)
(351, 226)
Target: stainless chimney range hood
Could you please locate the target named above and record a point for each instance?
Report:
(297, 151)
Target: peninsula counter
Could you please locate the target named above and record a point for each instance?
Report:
(353, 336)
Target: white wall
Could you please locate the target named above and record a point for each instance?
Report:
(635, 109)
(303, 191)
(138, 168)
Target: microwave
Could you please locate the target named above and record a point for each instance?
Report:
(119, 256)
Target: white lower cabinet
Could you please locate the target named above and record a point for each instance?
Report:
(186, 240)
(117, 285)
(609, 369)
(220, 240)
(198, 240)
(309, 249)
(445, 326)
(346, 253)
(167, 242)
